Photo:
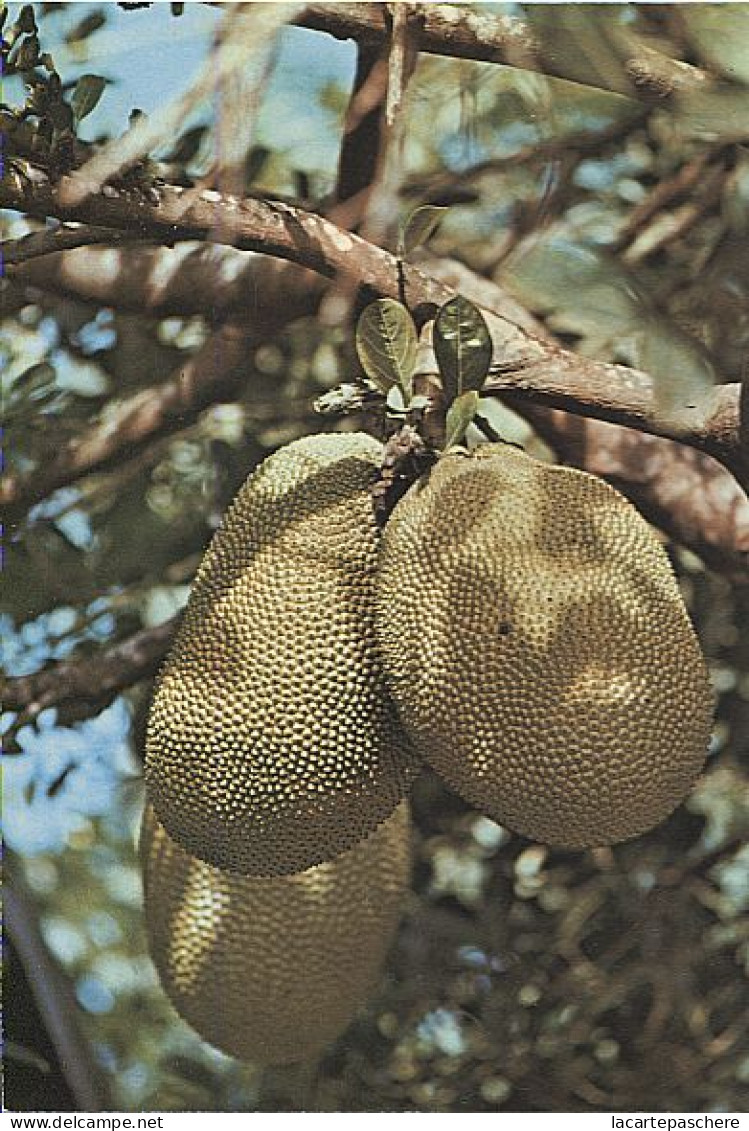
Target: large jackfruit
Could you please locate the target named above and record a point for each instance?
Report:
(272, 743)
(537, 645)
(272, 969)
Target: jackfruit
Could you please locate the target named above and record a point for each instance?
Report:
(273, 969)
(272, 744)
(536, 642)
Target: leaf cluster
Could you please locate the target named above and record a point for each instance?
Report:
(54, 116)
(387, 345)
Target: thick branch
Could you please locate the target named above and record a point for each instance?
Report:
(603, 391)
(690, 496)
(541, 373)
(447, 29)
(360, 144)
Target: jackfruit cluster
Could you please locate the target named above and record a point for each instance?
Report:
(536, 642)
(272, 743)
(272, 969)
(517, 627)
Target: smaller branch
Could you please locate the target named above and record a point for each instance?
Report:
(241, 47)
(664, 228)
(545, 149)
(689, 495)
(211, 374)
(381, 217)
(80, 688)
(664, 193)
(710, 425)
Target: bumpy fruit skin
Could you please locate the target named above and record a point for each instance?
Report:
(273, 969)
(272, 743)
(537, 645)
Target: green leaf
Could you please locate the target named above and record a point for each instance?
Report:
(386, 343)
(420, 226)
(459, 416)
(463, 347)
(88, 91)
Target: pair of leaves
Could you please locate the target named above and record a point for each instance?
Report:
(387, 344)
(463, 347)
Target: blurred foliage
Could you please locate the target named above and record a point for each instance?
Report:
(522, 979)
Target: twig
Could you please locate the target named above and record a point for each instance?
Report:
(665, 227)
(54, 997)
(381, 215)
(664, 193)
(241, 47)
(545, 149)
(535, 370)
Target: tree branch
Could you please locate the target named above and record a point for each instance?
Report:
(685, 493)
(619, 395)
(65, 237)
(211, 374)
(360, 144)
(542, 373)
(535, 370)
(447, 29)
(692, 498)
(544, 149)
(79, 688)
